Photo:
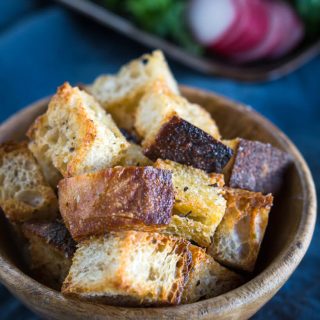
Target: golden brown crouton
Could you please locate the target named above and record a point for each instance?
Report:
(238, 237)
(198, 196)
(76, 134)
(130, 268)
(120, 198)
(24, 193)
(120, 94)
(207, 278)
(159, 104)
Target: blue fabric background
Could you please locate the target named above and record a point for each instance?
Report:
(43, 45)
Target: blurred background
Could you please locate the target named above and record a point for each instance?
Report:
(263, 53)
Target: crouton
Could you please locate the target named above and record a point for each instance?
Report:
(120, 94)
(120, 198)
(237, 240)
(159, 104)
(134, 156)
(76, 134)
(198, 197)
(256, 166)
(196, 193)
(130, 268)
(24, 193)
(189, 229)
(50, 172)
(180, 141)
(207, 278)
(51, 249)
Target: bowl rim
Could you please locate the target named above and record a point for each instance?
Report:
(267, 282)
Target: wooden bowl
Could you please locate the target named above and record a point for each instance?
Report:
(288, 235)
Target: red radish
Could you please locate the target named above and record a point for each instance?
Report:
(253, 24)
(285, 31)
(295, 33)
(245, 30)
(210, 19)
(271, 40)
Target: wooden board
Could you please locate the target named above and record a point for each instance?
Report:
(253, 73)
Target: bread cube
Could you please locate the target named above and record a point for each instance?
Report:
(198, 197)
(189, 229)
(180, 141)
(207, 278)
(76, 134)
(256, 166)
(159, 104)
(24, 193)
(51, 249)
(130, 268)
(237, 240)
(134, 156)
(197, 194)
(120, 198)
(120, 94)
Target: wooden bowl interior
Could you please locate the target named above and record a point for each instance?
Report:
(234, 121)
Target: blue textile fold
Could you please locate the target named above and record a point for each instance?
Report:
(42, 45)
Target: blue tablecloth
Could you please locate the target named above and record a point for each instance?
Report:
(43, 45)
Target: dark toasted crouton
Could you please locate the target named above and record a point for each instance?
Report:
(120, 198)
(180, 141)
(51, 250)
(258, 167)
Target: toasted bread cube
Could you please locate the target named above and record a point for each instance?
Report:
(76, 134)
(24, 193)
(50, 172)
(238, 237)
(120, 94)
(159, 104)
(256, 166)
(51, 249)
(180, 141)
(134, 156)
(120, 198)
(207, 278)
(130, 268)
(190, 229)
(197, 194)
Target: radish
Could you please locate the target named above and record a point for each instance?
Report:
(245, 30)
(285, 31)
(209, 20)
(270, 41)
(252, 26)
(294, 34)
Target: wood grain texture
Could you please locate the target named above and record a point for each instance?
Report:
(288, 235)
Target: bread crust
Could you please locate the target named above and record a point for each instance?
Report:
(180, 141)
(54, 233)
(50, 251)
(258, 167)
(120, 198)
(237, 240)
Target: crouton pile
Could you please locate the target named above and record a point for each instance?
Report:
(126, 193)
